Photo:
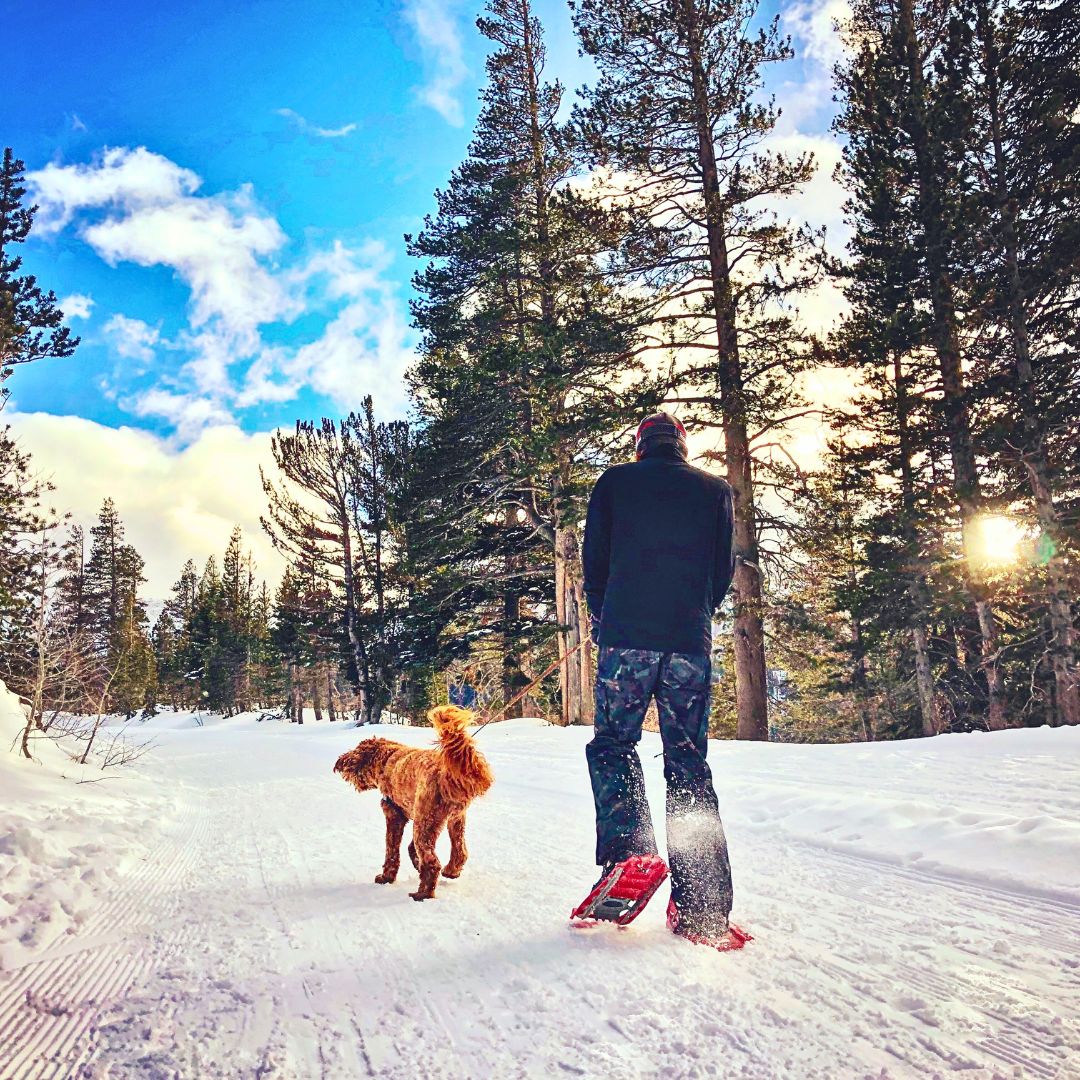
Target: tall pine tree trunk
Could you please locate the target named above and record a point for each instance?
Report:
(924, 680)
(575, 673)
(1062, 634)
(749, 632)
(377, 688)
(512, 677)
(291, 693)
(316, 692)
(861, 682)
(351, 630)
(966, 487)
(330, 707)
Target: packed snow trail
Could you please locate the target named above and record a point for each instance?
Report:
(914, 909)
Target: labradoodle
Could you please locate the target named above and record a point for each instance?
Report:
(430, 788)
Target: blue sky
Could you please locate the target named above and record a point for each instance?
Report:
(224, 187)
(341, 117)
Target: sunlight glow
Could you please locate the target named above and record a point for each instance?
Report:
(996, 540)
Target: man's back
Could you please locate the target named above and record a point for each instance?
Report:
(657, 554)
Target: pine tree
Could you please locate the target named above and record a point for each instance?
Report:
(212, 640)
(677, 113)
(31, 323)
(116, 615)
(236, 586)
(21, 519)
(1027, 94)
(267, 676)
(173, 643)
(287, 634)
(527, 368)
(883, 337)
(71, 607)
(211, 659)
(163, 639)
(912, 64)
(317, 520)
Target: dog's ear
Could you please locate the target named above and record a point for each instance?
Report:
(368, 751)
(345, 761)
(356, 765)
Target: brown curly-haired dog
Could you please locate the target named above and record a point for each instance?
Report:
(430, 788)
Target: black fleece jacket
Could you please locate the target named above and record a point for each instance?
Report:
(658, 554)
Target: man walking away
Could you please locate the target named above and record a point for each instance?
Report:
(657, 562)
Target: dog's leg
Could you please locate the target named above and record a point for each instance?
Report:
(395, 829)
(412, 855)
(458, 851)
(425, 833)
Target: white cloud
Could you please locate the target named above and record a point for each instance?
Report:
(134, 206)
(444, 62)
(308, 128)
(121, 177)
(364, 349)
(217, 245)
(176, 503)
(190, 414)
(77, 306)
(214, 244)
(813, 25)
(132, 338)
(821, 201)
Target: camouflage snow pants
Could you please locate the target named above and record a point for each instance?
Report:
(626, 680)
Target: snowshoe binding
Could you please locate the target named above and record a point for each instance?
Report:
(729, 940)
(622, 892)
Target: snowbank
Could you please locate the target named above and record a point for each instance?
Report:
(70, 835)
(1000, 809)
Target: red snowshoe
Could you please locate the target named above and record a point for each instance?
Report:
(734, 938)
(622, 893)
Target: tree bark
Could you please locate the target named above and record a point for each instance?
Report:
(575, 673)
(330, 708)
(349, 581)
(924, 680)
(316, 692)
(295, 706)
(749, 632)
(512, 677)
(866, 717)
(966, 486)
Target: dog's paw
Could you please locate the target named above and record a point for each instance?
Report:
(422, 896)
(386, 879)
(450, 872)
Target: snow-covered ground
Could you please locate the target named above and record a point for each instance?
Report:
(916, 909)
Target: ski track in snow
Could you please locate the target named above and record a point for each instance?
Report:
(251, 942)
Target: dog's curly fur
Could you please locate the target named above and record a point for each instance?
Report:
(430, 788)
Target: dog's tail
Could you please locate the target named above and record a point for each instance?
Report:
(465, 771)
